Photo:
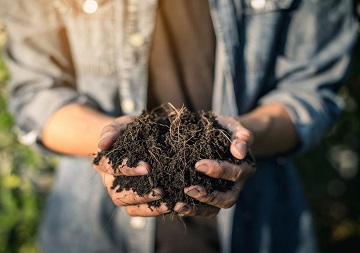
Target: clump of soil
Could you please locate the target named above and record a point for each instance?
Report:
(171, 140)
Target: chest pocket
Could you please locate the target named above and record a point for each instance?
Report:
(90, 26)
(261, 30)
(263, 22)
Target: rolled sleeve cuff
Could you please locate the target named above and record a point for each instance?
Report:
(311, 115)
(33, 116)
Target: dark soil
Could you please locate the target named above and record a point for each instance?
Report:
(171, 140)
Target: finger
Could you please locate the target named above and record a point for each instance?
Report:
(238, 148)
(103, 167)
(124, 198)
(107, 179)
(110, 133)
(121, 122)
(108, 136)
(142, 168)
(216, 198)
(185, 210)
(225, 170)
(242, 137)
(145, 211)
(128, 198)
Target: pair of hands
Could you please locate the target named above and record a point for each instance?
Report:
(135, 205)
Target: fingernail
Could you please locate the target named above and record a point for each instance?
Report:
(241, 147)
(181, 208)
(141, 170)
(203, 168)
(104, 136)
(193, 192)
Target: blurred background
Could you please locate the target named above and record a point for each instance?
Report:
(330, 173)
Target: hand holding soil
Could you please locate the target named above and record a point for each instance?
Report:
(175, 160)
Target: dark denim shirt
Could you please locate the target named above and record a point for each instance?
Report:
(294, 52)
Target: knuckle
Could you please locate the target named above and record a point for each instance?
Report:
(217, 170)
(233, 173)
(212, 199)
(228, 203)
(245, 135)
(237, 174)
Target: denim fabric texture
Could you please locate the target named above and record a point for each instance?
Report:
(294, 52)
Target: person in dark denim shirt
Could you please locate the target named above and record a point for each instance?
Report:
(80, 67)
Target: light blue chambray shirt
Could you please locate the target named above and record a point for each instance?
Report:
(294, 52)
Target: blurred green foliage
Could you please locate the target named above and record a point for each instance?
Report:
(330, 172)
(25, 178)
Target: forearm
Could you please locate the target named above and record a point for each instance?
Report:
(274, 132)
(75, 130)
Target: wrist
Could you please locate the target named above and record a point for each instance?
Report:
(273, 130)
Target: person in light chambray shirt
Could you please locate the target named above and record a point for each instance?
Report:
(80, 71)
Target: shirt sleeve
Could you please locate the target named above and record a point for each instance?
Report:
(42, 74)
(313, 64)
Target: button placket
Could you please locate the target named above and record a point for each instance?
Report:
(133, 39)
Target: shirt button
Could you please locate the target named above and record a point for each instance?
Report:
(258, 4)
(137, 222)
(136, 40)
(128, 105)
(90, 6)
(27, 138)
